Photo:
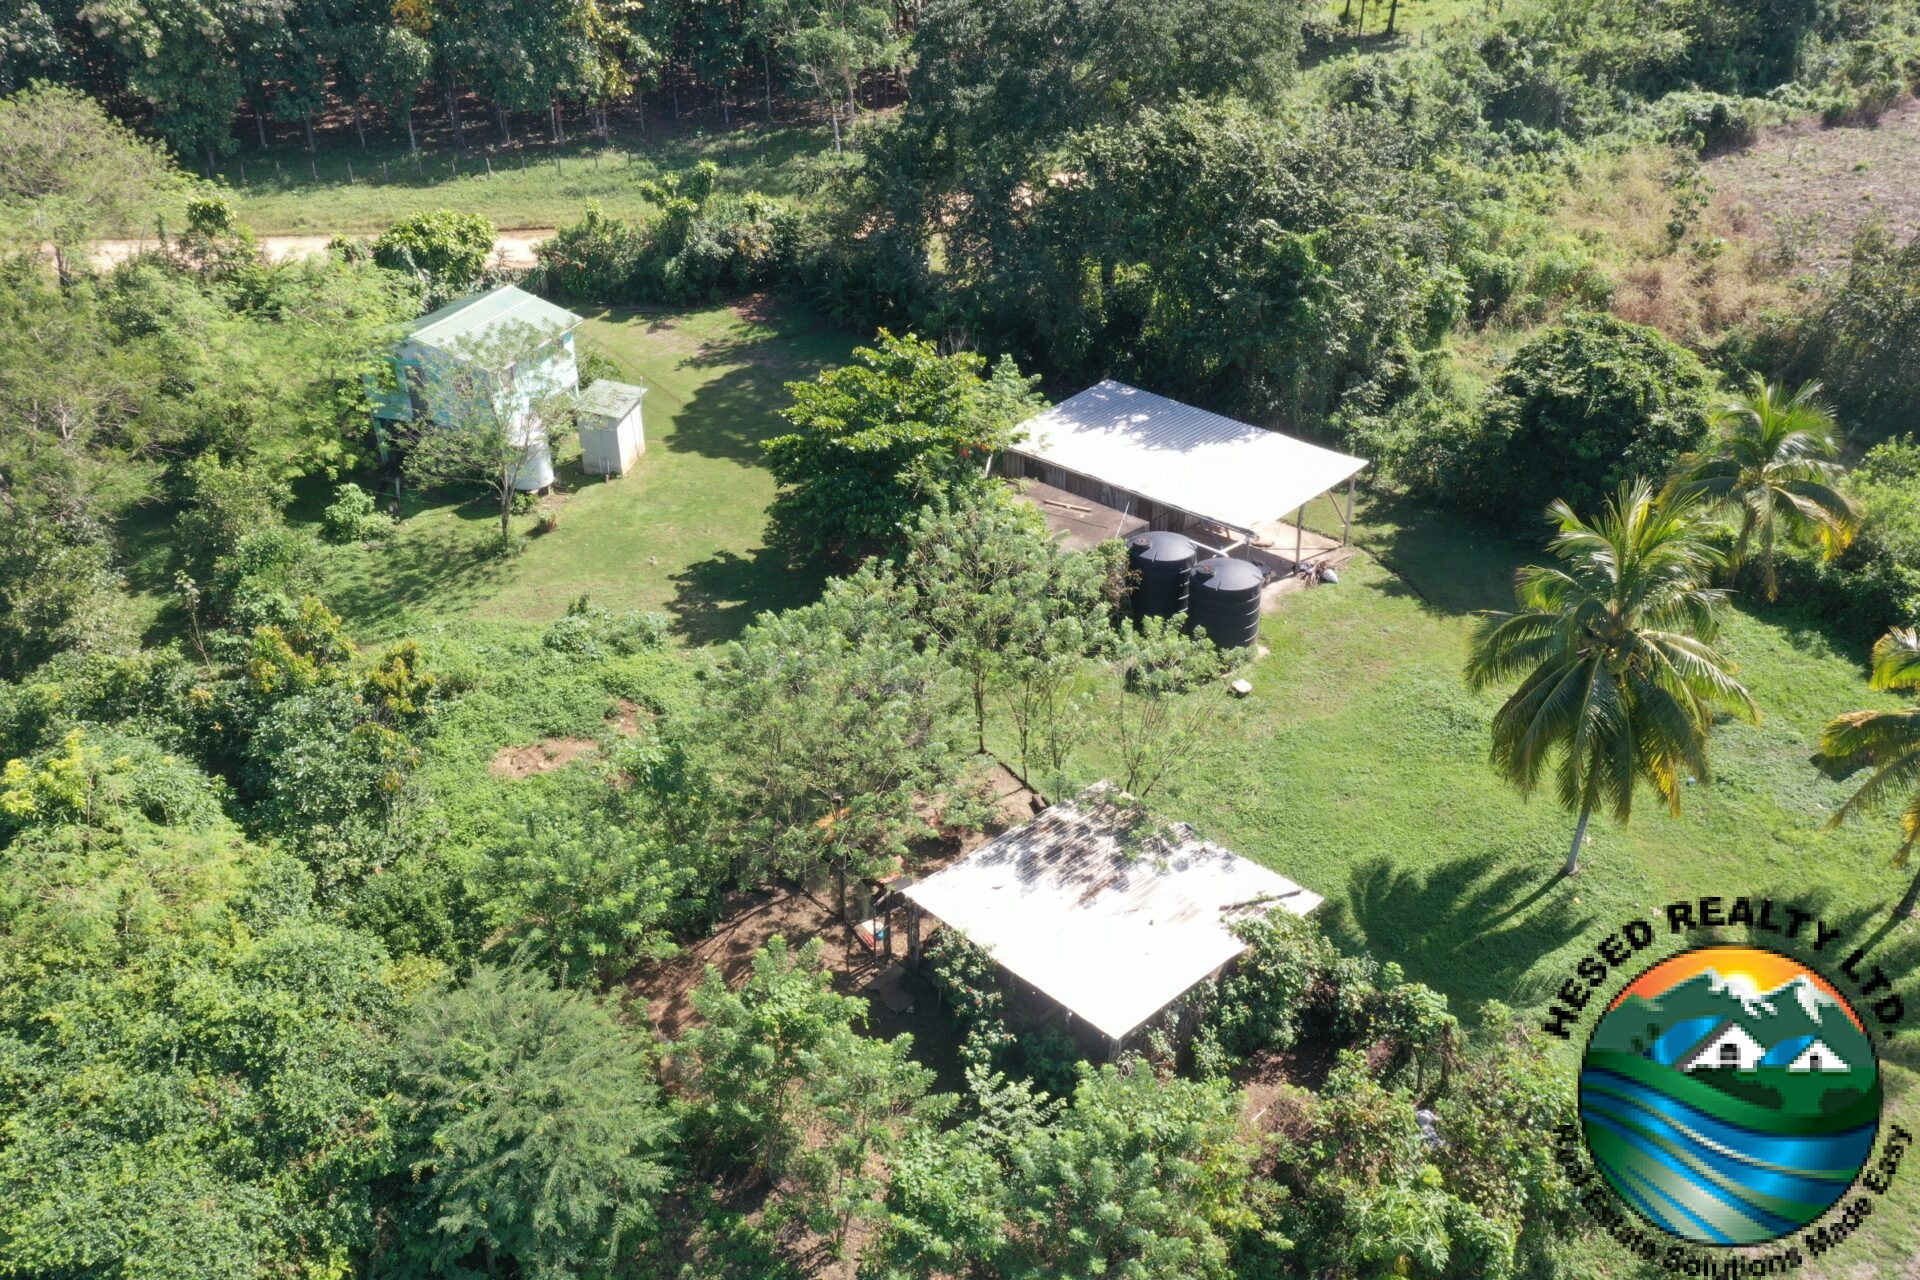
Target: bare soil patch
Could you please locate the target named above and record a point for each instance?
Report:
(540, 757)
(1811, 188)
(511, 249)
(626, 717)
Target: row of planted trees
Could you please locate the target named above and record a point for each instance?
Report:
(198, 69)
(1613, 643)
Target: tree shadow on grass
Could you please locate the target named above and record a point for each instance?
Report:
(730, 415)
(733, 413)
(1451, 563)
(716, 598)
(1471, 928)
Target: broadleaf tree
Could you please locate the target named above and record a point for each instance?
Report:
(876, 439)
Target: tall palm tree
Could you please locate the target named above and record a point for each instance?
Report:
(1619, 682)
(1773, 463)
(1888, 742)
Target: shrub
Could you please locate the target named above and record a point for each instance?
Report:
(1708, 122)
(260, 580)
(596, 259)
(969, 982)
(353, 517)
(1588, 404)
(696, 250)
(448, 251)
(1859, 595)
(1862, 340)
(1263, 1003)
(592, 632)
(59, 593)
(224, 503)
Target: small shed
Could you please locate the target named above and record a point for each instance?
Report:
(612, 435)
(1109, 914)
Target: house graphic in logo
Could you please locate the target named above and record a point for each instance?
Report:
(1730, 1095)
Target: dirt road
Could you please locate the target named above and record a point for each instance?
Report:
(510, 248)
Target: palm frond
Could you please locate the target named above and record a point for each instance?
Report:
(1896, 660)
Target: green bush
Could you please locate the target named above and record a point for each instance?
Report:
(697, 250)
(1707, 122)
(1589, 403)
(592, 632)
(1276, 987)
(595, 259)
(353, 516)
(264, 577)
(445, 250)
(1862, 341)
(223, 503)
(1859, 595)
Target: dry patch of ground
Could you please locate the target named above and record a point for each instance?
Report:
(512, 250)
(1785, 208)
(543, 756)
(1721, 273)
(1809, 189)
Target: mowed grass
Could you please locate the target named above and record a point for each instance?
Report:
(1358, 767)
(530, 183)
(1413, 18)
(682, 532)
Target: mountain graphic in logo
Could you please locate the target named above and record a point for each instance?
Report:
(1730, 1095)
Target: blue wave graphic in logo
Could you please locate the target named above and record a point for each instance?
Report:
(1723, 1113)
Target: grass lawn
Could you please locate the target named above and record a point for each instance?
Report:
(532, 183)
(1414, 17)
(680, 533)
(1359, 767)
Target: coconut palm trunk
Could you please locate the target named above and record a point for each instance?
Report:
(1572, 865)
(1618, 683)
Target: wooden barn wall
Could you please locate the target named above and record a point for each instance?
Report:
(1083, 486)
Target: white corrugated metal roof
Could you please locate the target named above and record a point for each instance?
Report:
(462, 321)
(1178, 456)
(1110, 915)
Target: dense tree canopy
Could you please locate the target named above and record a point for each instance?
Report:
(877, 439)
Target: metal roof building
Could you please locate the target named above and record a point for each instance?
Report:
(1145, 456)
(1108, 913)
(467, 320)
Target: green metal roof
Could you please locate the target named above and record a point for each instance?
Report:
(468, 319)
(609, 399)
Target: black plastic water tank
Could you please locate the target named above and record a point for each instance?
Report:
(1225, 599)
(1164, 561)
